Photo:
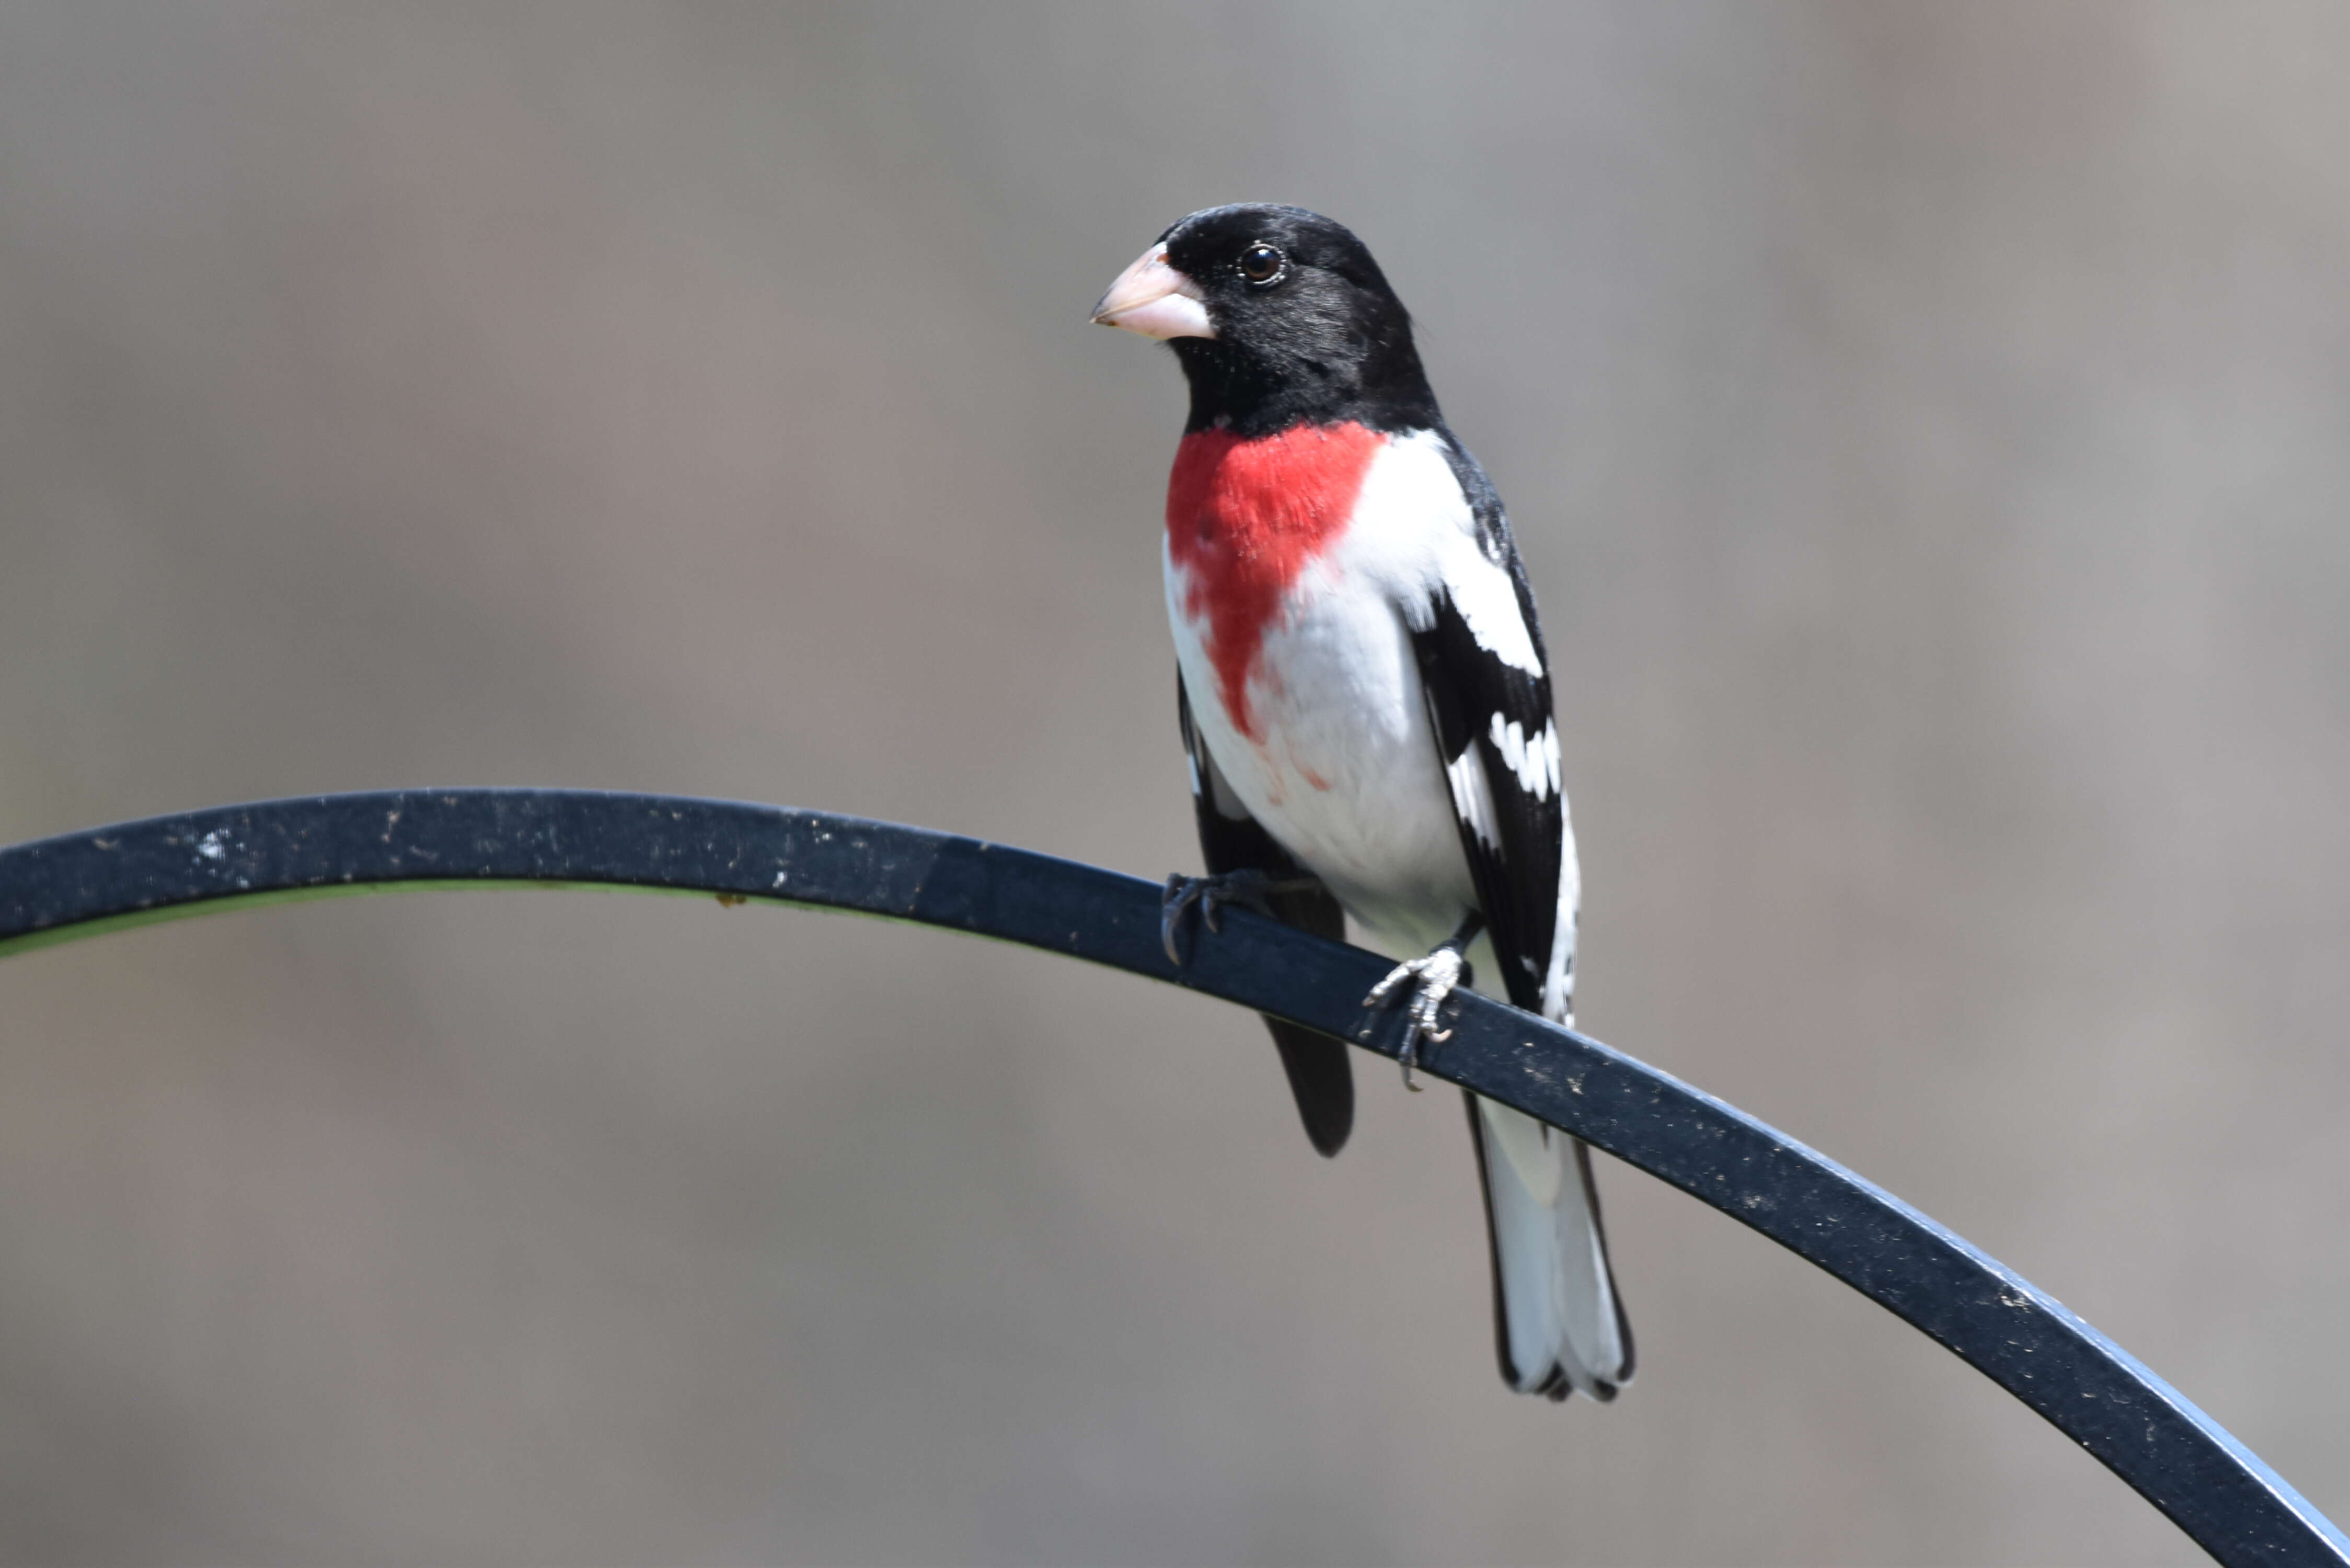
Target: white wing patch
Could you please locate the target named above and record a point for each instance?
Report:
(1536, 762)
(1488, 601)
(1409, 492)
(1473, 796)
(1559, 982)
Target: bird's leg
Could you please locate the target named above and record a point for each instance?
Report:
(1249, 887)
(1433, 980)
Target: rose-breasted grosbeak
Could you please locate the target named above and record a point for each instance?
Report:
(1365, 704)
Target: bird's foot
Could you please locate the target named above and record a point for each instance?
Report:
(1248, 887)
(1431, 982)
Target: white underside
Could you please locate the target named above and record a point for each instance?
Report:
(1343, 768)
(1345, 772)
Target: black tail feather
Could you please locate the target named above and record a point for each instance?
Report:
(1321, 1079)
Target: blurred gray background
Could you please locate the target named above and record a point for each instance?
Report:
(1927, 427)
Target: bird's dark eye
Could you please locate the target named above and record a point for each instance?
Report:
(1261, 264)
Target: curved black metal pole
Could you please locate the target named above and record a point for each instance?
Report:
(2210, 1485)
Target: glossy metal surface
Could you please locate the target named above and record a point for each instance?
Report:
(2216, 1489)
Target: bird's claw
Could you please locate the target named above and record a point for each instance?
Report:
(1432, 980)
(1182, 893)
(1250, 890)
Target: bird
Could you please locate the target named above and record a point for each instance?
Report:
(1364, 699)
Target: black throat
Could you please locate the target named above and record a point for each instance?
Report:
(1267, 382)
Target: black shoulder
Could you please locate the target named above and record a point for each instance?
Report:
(1494, 539)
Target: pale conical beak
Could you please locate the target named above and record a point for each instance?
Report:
(1154, 299)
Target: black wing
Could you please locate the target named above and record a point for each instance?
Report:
(1487, 681)
(1233, 840)
(1493, 720)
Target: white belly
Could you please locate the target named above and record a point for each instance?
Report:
(1342, 767)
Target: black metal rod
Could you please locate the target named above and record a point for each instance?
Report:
(2210, 1485)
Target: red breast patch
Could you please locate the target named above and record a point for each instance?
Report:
(1243, 518)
